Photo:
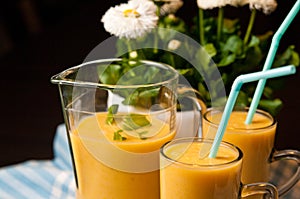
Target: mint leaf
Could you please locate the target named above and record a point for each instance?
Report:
(113, 109)
(141, 135)
(135, 121)
(118, 136)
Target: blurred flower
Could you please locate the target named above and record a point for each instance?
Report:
(210, 4)
(170, 7)
(237, 3)
(174, 44)
(131, 20)
(133, 54)
(267, 6)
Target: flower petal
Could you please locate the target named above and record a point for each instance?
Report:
(131, 20)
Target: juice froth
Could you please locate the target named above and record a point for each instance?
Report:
(189, 176)
(256, 140)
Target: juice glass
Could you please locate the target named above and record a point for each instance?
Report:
(118, 114)
(184, 174)
(256, 140)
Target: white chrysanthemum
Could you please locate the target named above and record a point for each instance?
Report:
(131, 20)
(210, 4)
(237, 3)
(267, 6)
(170, 7)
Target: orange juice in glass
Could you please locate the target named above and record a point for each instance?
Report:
(184, 174)
(118, 115)
(116, 169)
(256, 140)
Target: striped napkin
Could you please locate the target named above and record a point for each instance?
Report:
(41, 179)
(54, 179)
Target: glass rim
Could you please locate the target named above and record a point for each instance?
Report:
(60, 78)
(241, 109)
(201, 140)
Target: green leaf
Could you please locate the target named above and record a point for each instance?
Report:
(230, 26)
(149, 93)
(132, 98)
(271, 106)
(113, 109)
(268, 92)
(254, 41)
(174, 22)
(151, 74)
(188, 71)
(141, 135)
(170, 22)
(118, 136)
(254, 56)
(242, 99)
(210, 49)
(295, 60)
(234, 44)
(202, 89)
(289, 56)
(202, 57)
(225, 61)
(264, 37)
(121, 46)
(110, 75)
(135, 121)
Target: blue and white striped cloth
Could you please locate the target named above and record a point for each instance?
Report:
(54, 179)
(41, 179)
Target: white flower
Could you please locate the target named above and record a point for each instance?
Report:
(133, 54)
(174, 44)
(170, 7)
(237, 3)
(210, 4)
(267, 6)
(131, 20)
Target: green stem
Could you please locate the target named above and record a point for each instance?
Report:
(220, 24)
(201, 27)
(155, 49)
(250, 25)
(128, 47)
(172, 61)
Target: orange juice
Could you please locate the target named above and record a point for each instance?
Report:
(107, 168)
(256, 140)
(185, 175)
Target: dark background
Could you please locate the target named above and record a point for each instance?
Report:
(39, 38)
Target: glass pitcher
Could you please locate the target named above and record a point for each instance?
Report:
(118, 114)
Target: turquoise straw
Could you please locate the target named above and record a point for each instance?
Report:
(270, 58)
(236, 86)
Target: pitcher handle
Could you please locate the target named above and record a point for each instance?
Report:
(288, 155)
(199, 102)
(266, 189)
